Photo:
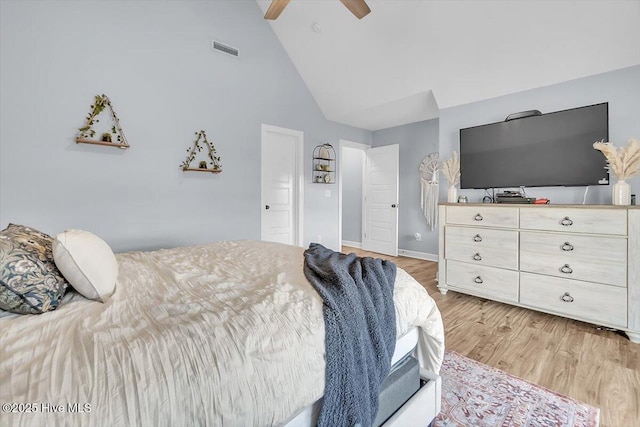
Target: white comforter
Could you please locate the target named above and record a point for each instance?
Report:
(229, 334)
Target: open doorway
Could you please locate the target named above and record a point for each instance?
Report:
(351, 196)
(368, 197)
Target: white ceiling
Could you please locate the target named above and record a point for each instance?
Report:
(409, 58)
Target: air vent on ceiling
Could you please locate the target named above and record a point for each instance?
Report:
(219, 47)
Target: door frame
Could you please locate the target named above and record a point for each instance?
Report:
(358, 146)
(298, 178)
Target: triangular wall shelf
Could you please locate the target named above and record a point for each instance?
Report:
(214, 161)
(87, 134)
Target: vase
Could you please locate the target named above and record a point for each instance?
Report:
(452, 195)
(621, 193)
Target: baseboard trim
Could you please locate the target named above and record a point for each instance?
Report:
(418, 255)
(401, 252)
(357, 245)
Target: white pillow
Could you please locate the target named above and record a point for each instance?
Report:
(87, 262)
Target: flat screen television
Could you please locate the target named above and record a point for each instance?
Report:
(554, 149)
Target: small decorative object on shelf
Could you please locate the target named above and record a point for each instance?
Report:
(114, 139)
(451, 170)
(214, 161)
(624, 163)
(323, 170)
(621, 193)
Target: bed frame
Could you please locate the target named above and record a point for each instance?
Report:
(420, 410)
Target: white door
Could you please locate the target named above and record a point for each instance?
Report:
(281, 185)
(381, 200)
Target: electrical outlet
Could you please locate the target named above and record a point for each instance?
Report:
(418, 237)
(319, 238)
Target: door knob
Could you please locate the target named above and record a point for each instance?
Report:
(267, 207)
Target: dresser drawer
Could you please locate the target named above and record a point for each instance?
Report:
(496, 248)
(575, 220)
(483, 216)
(489, 281)
(592, 258)
(587, 301)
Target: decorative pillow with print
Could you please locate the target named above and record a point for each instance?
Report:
(30, 282)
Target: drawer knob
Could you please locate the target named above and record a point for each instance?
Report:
(477, 257)
(478, 280)
(477, 238)
(567, 247)
(478, 217)
(566, 221)
(566, 297)
(566, 269)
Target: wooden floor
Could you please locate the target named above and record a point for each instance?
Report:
(595, 366)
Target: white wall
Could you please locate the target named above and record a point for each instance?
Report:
(153, 59)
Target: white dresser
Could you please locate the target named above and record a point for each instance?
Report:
(577, 261)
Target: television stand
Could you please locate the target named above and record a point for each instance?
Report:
(575, 261)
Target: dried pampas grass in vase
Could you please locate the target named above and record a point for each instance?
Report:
(451, 171)
(624, 163)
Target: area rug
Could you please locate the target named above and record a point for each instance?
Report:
(474, 394)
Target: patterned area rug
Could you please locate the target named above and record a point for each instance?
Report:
(474, 394)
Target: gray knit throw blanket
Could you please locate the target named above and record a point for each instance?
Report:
(360, 332)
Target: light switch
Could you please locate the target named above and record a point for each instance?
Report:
(327, 193)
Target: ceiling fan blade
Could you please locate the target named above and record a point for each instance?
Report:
(275, 8)
(358, 7)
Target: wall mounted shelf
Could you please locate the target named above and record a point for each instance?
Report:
(96, 142)
(202, 170)
(323, 165)
(214, 160)
(101, 103)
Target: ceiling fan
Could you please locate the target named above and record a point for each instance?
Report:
(358, 7)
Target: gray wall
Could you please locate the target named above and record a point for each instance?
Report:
(352, 169)
(416, 140)
(153, 59)
(620, 88)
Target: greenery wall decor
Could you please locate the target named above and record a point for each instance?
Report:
(198, 145)
(87, 133)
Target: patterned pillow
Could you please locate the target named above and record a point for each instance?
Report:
(30, 282)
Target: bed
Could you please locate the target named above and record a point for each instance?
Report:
(228, 333)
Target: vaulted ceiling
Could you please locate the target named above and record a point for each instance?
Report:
(406, 60)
